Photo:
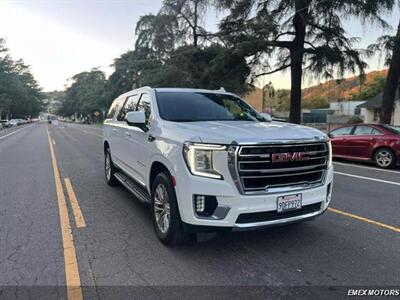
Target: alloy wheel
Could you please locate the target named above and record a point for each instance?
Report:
(108, 166)
(384, 158)
(162, 208)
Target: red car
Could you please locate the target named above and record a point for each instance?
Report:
(369, 142)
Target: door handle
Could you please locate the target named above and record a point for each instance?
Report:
(151, 138)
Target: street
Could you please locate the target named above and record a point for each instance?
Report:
(113, 248)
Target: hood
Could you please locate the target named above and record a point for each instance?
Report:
(248, 132)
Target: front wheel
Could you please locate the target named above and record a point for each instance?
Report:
(165, 212)
(109, 169)
(384, 158)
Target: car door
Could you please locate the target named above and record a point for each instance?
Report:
(125, 149)
(339, 139)
(139, 140)
(362, 140)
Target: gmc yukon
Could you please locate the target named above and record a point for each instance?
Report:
(206, 161)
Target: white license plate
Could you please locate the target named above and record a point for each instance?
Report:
(289, 202)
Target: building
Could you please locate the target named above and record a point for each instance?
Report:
(371, 108)
(346, 108)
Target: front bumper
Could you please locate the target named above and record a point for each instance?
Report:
(238, 204)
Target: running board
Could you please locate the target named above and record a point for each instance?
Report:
(135, 188)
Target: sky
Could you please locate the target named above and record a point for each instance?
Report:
(60, 38)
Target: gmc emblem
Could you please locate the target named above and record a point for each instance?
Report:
(286, 157)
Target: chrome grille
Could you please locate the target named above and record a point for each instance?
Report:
(264, 167)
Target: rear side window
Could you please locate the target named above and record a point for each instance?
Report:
(365, 130)
(130, 105)
(114, 107)
(341, 131)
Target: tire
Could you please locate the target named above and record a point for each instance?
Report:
(109, 169)
(384, 158)
(165, 212)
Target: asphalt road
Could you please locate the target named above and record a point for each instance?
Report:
(356, 244)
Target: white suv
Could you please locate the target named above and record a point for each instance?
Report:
(206, 161)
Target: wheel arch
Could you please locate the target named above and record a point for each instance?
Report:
(156, 168)
(106, 146)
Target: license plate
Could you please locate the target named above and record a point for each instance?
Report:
(289, 202)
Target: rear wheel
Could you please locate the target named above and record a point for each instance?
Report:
(109, 169)
(165, 212)
(384, 158)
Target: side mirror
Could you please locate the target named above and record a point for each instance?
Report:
(137, 119)
(330, 135)
(266, 116)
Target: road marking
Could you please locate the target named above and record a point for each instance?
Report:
(11, 133)
(73, 281)
(91, 133)
(365, 167)
(393, 228)
(54, 142)
(368, 178)
(79, 220)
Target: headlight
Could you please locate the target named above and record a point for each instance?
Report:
(199, 159)
(329, 153)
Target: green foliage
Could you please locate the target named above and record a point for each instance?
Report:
(20, 95)
(370, 89)
(85, 95)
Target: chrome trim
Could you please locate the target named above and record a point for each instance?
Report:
(256, 225)
(235, 149)
(279, 142)
(282, 169)
(283, 175)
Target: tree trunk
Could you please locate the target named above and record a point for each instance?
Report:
(195, 35)
(392, 83)
(296, 56)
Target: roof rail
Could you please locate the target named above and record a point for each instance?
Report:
(222, 89)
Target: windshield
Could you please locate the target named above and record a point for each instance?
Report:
(195, 107)
(394, 129)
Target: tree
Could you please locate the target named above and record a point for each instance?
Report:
(85, 95)
(157, 33)
(189, 14)
(20, 94)
(391, 45)
(303, 35)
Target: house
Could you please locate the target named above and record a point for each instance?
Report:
(371, 109)
(346, 108)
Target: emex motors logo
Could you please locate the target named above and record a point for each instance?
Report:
(287, 157)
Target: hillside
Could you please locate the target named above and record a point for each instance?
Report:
(347, 89)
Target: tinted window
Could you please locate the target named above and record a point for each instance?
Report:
(341, 131)
(144, 104)
(191, 107)
(130, 105)
(364, 130)
(391, 128)
(114, 107)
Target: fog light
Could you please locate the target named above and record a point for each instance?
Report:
(204, 205)
(200, 201)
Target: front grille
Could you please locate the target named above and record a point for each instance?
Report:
(262, 167)
(274, 215)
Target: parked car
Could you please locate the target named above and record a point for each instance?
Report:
(206, 161)
(14, 122)
(4, 124)
(367, 142)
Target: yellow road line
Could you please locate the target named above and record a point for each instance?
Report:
(79, 220)
(73, 281)
(393, 228)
